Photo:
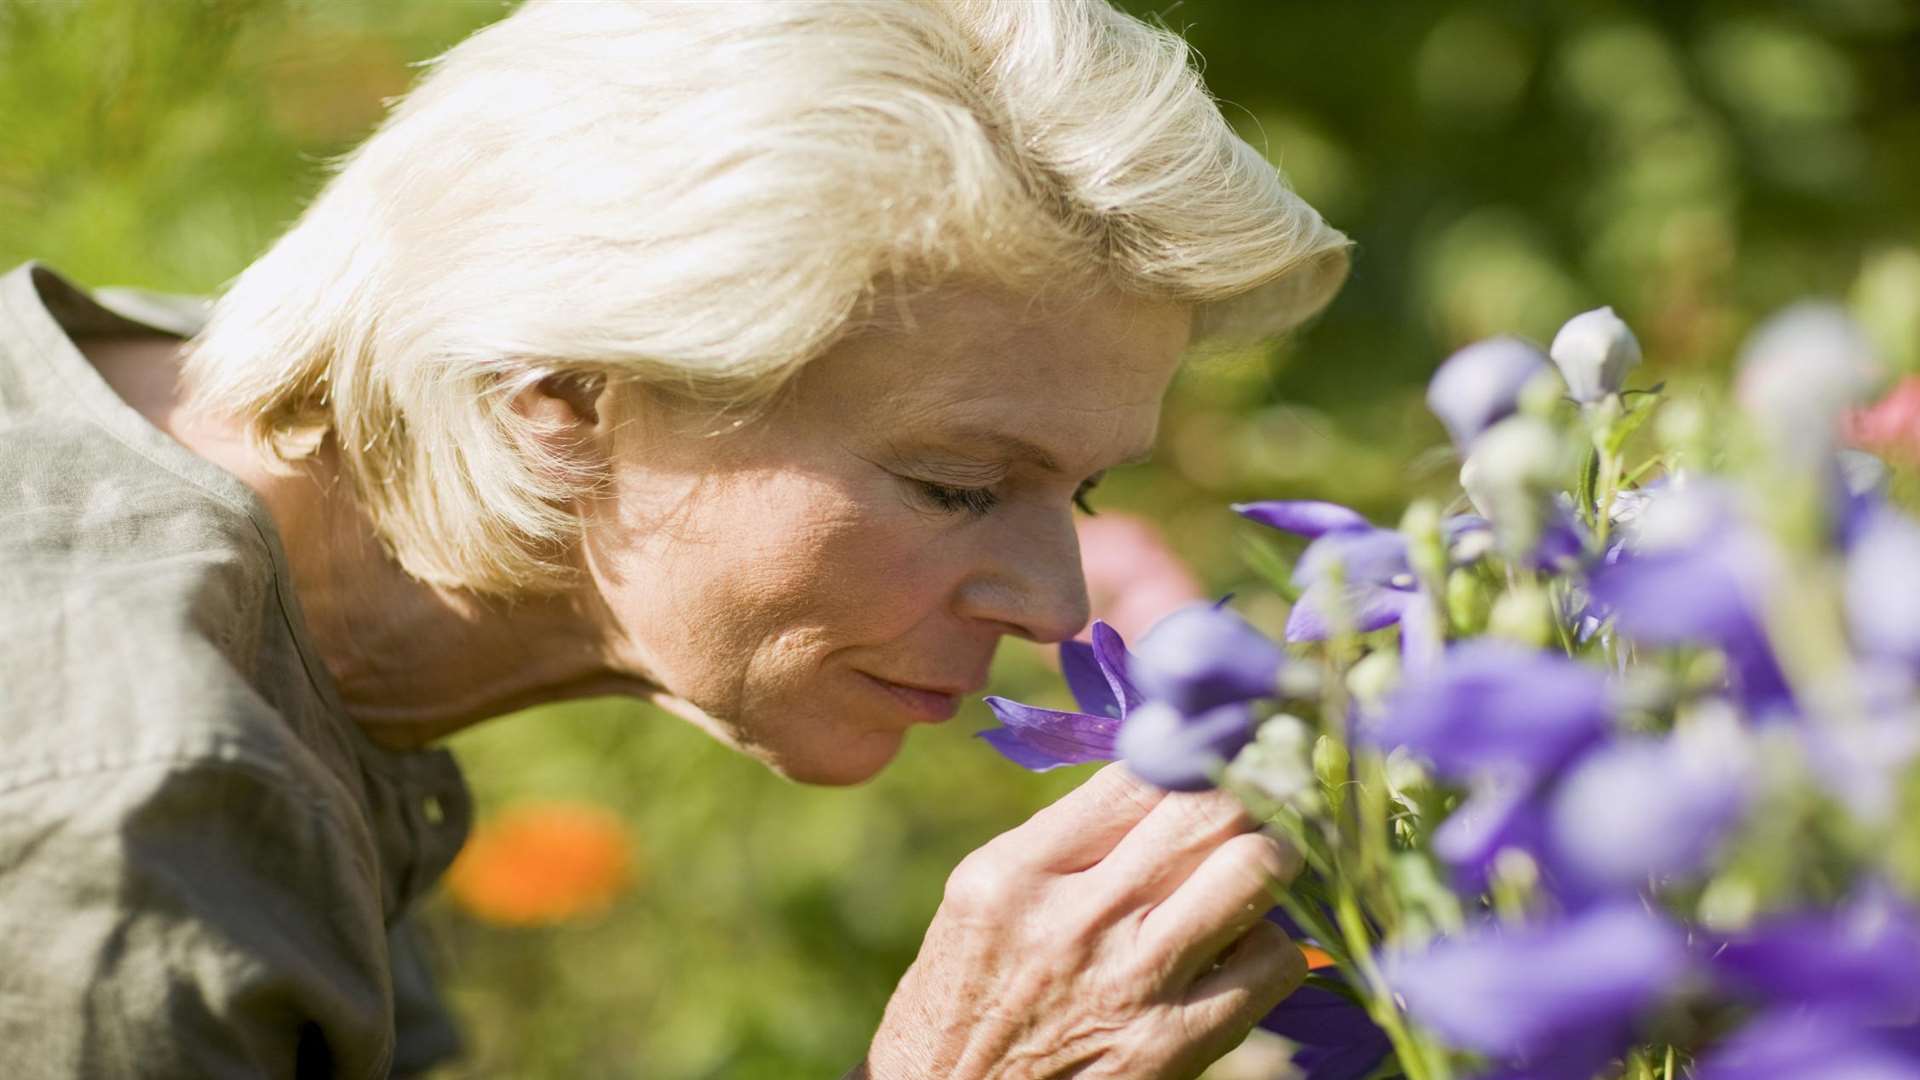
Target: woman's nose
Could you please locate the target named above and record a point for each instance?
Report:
(1032, 584)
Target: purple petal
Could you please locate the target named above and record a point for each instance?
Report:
(1514, 994)
(1302, 517)
(1481, 384)
(1182, 753)
(1704, 593)
(1646, 808)
(1110, 650)
(1497, 816)
(1042, 739)
(1795, 1044)
(1493, 706)
(1883, 586)
(1422, 642)
(1369, 556)
(1204, 656)
(1370, 607)
(1863, 959)
(1086, 679)
(1337, 1039)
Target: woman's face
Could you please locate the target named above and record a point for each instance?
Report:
(841, 568)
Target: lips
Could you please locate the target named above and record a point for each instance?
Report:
(932, 703)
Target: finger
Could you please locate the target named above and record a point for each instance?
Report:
(1082, 826)
(1262, 968)
(1231, 890)
(1169, 843)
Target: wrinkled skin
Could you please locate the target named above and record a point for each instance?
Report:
(1118, 933)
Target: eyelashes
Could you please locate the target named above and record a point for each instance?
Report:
(975, 502)
(980, 501)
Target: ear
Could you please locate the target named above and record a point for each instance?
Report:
(562, 406)
(563, 411)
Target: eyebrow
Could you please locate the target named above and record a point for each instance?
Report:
(1009, 445)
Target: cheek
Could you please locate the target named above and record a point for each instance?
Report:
(746, 587)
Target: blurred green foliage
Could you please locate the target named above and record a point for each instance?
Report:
(1502, 164)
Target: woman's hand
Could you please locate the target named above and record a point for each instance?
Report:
(1118, 933)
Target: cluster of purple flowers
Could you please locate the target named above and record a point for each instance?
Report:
(1657, 738)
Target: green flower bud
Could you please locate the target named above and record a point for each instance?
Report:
(1330, 765)
(1524, 614)
(1467, 603)
(1373, 677)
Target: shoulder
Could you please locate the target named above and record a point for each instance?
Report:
(186, 911)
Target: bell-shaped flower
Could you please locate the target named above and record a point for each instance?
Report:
(1203, 656)
(1644, 808)
(1181, 752)
(1558, 999)
(1041, 739)
(1496, 708)
(1502, 813)
(1698, 575)
(1883, 586)
(1353, 571)
(1333, 1036)
(1514, 475)
(1863, 762)
(1482, 384)
(1862, 959)
(1800, 374)
(1594, 351)
(1799, 1044)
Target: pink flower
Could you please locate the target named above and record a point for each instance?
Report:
(1133, 576)
(1890, 426)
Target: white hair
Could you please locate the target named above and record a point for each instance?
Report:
(705, 196)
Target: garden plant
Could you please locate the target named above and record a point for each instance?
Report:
(1604, 770)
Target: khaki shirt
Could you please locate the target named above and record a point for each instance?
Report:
(204, 864)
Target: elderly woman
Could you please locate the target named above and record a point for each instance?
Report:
(749, 358)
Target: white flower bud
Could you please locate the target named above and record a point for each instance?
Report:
(1511, 476)
(1594, 351)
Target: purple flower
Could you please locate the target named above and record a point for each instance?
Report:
(1863, 959)
(1883, 586)
(1336, 1039)
(1481, 384)
(1500, 814)
(1375, 586)
(1491, 706)
(1041, 739)
(1203, 656)
(1793, 1044)
(1173, 750)
(1556, 999)
(1696, 575)
(1303, 517)
(1644, 808)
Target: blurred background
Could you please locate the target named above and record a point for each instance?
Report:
(641, 902)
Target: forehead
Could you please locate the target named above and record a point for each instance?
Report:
(1076, 379)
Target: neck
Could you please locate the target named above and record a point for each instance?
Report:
(413, 661)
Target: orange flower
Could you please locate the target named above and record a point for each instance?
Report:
(540, 863)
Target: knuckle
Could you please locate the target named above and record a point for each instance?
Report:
(983, 882)
(1268, 860)
(1212, 814)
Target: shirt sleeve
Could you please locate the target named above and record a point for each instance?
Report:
(186, 917)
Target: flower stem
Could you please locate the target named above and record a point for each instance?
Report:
(1413, 1054)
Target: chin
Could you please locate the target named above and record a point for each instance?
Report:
(854, 759)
